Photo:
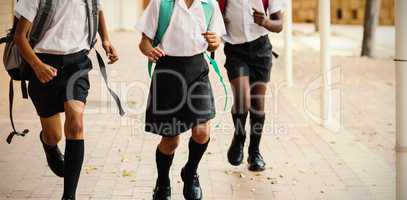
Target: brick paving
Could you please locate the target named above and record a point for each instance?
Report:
(305, 161)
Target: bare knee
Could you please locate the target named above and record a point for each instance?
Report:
(51, 129)
(168, 145)
(74, 128)
(201, 133)
(51, 136)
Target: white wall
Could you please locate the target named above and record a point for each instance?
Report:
(122, 14)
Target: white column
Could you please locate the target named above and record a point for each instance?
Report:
(325, 61)
(401, 90)
(288, 43)
(122, 14)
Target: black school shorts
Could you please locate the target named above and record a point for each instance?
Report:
(71, 83)
(252, 59)
(180, 96)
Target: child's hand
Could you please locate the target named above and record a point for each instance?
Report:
(213, 40)
(155, 54)
(259, 17)
(110, 52)
(45, 73)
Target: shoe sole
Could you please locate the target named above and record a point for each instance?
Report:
(256, 169)
(235, 163)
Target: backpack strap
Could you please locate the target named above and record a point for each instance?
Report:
(42, 21)
(92, 12)
(222, 6)
(215, 66)
(266, 4)
(103, 71)
(93, 26)
(208, 11)
(11, 101)
(164, 20)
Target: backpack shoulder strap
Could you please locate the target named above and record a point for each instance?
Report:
(222, 6)
(266, 4)
(92, 8)
(208, 10)
(42, 20)
(164, 19)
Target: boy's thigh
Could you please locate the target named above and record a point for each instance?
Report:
(236, 63)
(46, 98)
(74, 109)
(260, 70)
(236, 67)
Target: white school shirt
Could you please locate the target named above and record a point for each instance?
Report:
(241, 28)
(184, 34)
(69, 28)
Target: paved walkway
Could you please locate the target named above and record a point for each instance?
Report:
(305, 161)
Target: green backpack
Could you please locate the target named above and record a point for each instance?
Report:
(164, 19)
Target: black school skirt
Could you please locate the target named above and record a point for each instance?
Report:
(180, 96)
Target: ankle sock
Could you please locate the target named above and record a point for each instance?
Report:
(74, 155)
(163, 163)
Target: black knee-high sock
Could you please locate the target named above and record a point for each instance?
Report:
(74, 153)
(196, 152)
(164, 163)
(256, 130)
(239, 121)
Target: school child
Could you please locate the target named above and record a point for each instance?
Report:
(180, 96)
(59, 81)
(248, 63)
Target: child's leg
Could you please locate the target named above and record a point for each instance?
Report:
(50, 136)
(164, 156)
(74, 150)
(257, 118)
(241, 106)
(51, 130)
(197, 145)
(241, 94)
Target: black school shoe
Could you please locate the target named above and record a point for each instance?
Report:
(68, 198)
(192, 187)
(235, 152)
(55, 159)
(162, 193)
(256, 162)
